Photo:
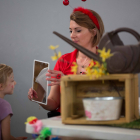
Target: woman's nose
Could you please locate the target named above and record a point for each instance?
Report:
(72, 34)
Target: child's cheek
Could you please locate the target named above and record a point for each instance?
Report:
(11, 86)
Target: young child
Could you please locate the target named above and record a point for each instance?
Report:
(7, 85)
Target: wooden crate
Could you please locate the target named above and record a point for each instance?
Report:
(76, 87)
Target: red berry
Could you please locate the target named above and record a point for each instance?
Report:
(83, 0)
(66, 2)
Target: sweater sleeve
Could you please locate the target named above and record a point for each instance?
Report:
(5, 110)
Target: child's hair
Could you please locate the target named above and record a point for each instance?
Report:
(5, 71)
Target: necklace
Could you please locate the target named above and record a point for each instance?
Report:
(83, 66)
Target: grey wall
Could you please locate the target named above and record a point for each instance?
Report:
(26, 28)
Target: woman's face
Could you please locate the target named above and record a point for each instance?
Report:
(80, 35)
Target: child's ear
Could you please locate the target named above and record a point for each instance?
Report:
(1, 86)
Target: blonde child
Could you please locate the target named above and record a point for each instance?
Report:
(7, 85)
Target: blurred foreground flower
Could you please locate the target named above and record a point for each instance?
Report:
(104, 55)
(95, 68)
(53, 47)
(74, 68)
(30, 119)
(56, 55)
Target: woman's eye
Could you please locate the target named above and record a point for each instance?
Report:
(78, 30)
(70, 31)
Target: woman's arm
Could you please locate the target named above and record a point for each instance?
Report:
(53, 100)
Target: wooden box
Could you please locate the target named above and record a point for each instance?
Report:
(76, 87)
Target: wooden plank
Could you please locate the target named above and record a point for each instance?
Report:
(87, 78)
(63, 102)
(83, 120)
(136, 96)
(99, 89)
(128, 102)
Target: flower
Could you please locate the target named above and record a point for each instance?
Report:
(30, 119)
(89, 72)
(45, 132)
(92, 63)
(104, 55)
(74, 68)
(33, 121)
(97, 69)
(53, 47)
(58, 76)
(37, 126)
(88, 114)
(56, 56)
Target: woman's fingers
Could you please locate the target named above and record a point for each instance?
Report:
(54, 83)
(54, 76)
(29, 94)
(35, 94)
(51, 75)
(55, 72)
(53, 79)
(32, 93)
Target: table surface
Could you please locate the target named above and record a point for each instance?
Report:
(89, 131)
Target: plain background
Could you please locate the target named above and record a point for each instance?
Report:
(26, 32)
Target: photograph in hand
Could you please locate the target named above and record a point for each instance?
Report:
(39, 82)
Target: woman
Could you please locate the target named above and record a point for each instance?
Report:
(86, 29)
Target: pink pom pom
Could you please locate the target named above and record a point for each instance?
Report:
(37, 126)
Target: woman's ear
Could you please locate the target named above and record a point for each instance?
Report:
(94, 32)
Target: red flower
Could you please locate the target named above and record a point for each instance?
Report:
(33, 121)
(58, 76)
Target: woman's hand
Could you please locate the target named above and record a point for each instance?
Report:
(56, 77)
(32, 93)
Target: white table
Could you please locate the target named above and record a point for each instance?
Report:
(90, 131)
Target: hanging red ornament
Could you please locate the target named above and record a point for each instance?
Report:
(66, 2)
(83, 0)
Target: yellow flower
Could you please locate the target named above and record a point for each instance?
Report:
(74, 68)
(104, 55)
(97, 64)
(103, 67)
(59, 54)
(91, 63)
(89, 72)
(55, 57)
(30, 119)
(98, 72)
(53, 47)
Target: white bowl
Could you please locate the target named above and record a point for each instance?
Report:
(102, 108)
